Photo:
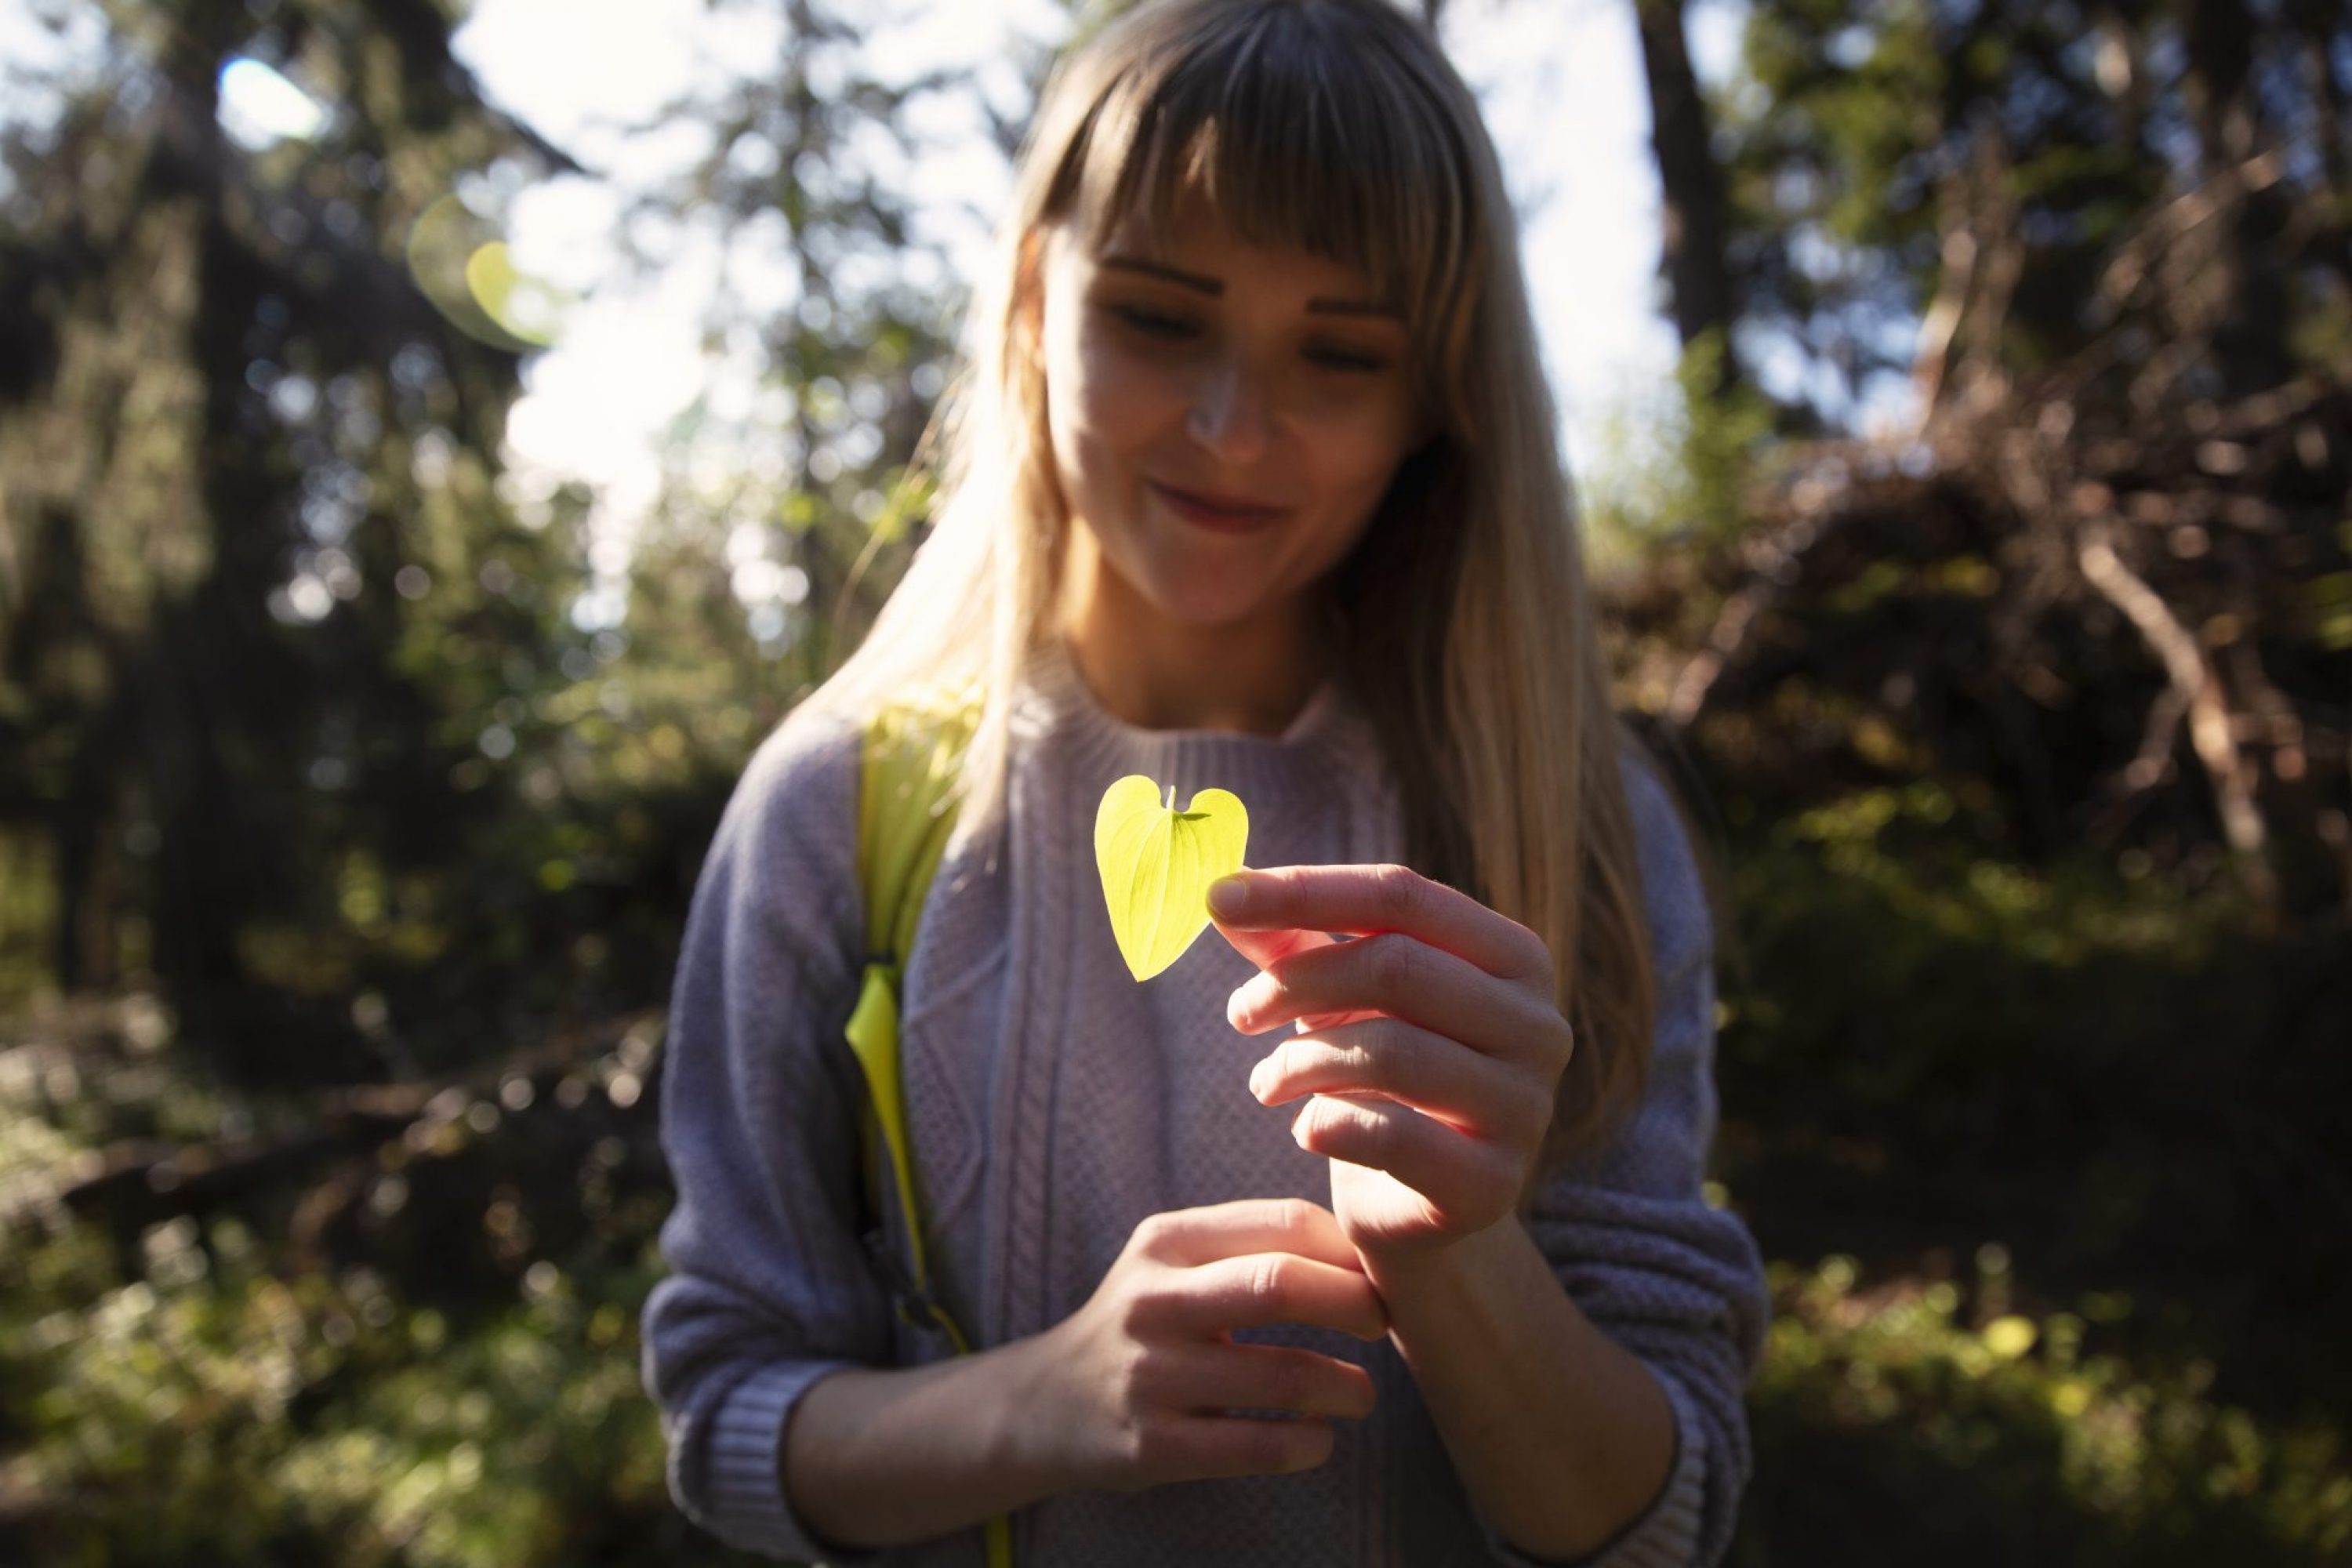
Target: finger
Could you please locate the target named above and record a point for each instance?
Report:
(1189, 1237)
(1406, 978)
(1261, 1289)
(1216, 1380)
(1207, 1447)
(1383, 1056)
(1265, 948)
(1368, 900)
(1459, 1176)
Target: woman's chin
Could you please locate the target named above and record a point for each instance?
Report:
(1181, 584)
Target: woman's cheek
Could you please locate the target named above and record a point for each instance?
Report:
(1351, 447)
(1125, 391)
(1089, 409)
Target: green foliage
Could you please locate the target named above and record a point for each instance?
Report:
(1677, 465)
(214, 1410)
(253, 1385)
(271, 609)
(2007, 1437)
(2100, 1092)
(1989, 159)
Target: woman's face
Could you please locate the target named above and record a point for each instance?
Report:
(1225, 417)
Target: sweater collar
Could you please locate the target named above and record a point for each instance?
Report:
(1054, 673)
(1328, 729)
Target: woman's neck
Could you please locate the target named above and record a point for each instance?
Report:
(1252, 677)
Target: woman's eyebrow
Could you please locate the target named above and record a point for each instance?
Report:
(1215, 289)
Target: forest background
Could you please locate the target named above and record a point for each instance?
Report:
(351, 795)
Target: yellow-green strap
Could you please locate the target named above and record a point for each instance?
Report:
(906, 812)
(874, 1037)
(912, 753)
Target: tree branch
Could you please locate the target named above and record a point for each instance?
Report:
(2198, 688)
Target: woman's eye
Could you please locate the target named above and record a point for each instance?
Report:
(1157, 324)
(1348, 359)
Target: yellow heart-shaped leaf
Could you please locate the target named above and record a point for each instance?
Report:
(1157, 864)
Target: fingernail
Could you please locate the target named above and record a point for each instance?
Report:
(1228, 896)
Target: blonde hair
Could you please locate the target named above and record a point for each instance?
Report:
(1464, 625)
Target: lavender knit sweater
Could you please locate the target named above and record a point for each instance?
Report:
(1054, 1102)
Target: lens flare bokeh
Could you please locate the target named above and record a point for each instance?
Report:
(464, 266)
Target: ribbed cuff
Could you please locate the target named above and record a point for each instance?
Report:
(743, 1500)
(1663, 1536)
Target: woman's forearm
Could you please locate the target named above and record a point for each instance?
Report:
(884, 1458)
(1560, 1436)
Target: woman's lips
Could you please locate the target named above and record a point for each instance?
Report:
(1223, 517)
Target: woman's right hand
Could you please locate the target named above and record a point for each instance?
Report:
(1129, 1391)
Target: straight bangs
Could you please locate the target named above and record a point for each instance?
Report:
(1241, 110)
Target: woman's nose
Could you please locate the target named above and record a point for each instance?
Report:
(1229, 414)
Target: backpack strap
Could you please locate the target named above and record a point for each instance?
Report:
(912, 751)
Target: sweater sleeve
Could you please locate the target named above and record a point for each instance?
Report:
(771, 1288)
(1674, 1280)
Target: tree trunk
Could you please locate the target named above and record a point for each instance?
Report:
(1694, 256)
(2241, 307)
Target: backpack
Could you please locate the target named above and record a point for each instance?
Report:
(911, 754)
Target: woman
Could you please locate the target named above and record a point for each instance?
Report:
(1251, 483)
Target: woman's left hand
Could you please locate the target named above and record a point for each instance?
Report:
(1433, 1047)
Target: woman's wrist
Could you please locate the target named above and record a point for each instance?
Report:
(1433, 1270)
(876, 1458)
(1030, 1433)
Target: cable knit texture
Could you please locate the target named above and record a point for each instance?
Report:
(1054, 1103)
